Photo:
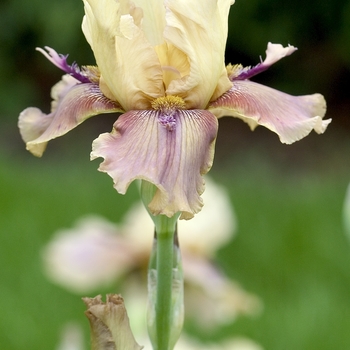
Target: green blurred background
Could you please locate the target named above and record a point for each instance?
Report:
(291, 248)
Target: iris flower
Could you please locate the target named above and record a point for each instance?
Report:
(161, 64)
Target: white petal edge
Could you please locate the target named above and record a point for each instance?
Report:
(275, 52)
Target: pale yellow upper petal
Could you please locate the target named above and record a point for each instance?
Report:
(128, 63)
(153, 22)
(174, 62)
(199, 30)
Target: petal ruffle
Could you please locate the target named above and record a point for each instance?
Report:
(60, 61)
(72, 105)
(274, 53)
(172, 157)
(199, 29)
(291, 117)
(128, 63)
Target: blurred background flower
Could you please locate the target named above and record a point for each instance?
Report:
(72, 338)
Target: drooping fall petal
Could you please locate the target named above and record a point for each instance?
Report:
(170, 152)
(199, 29)
(109, 324)
(73, 103)
(128, 63)
(291, 117)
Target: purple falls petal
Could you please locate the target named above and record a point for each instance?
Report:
(72, 105)
(170, 154)
(291, 117)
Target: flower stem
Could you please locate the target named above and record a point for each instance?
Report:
(165, 280)
(164, 288)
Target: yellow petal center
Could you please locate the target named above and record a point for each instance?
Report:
(165, 103)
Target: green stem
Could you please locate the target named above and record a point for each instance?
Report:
(164, 262)
(165, 280)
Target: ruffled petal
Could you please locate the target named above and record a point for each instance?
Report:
(274, 53)
(128, 63)
(291, 117)
(172, 155)
(32, 123)
(60, 61)
(199, 29)
(74, 104)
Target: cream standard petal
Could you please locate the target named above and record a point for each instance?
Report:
(153, 22)
(79, 103)
(171, 155)
(199, 29)
(128, 63)
(291, 117)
